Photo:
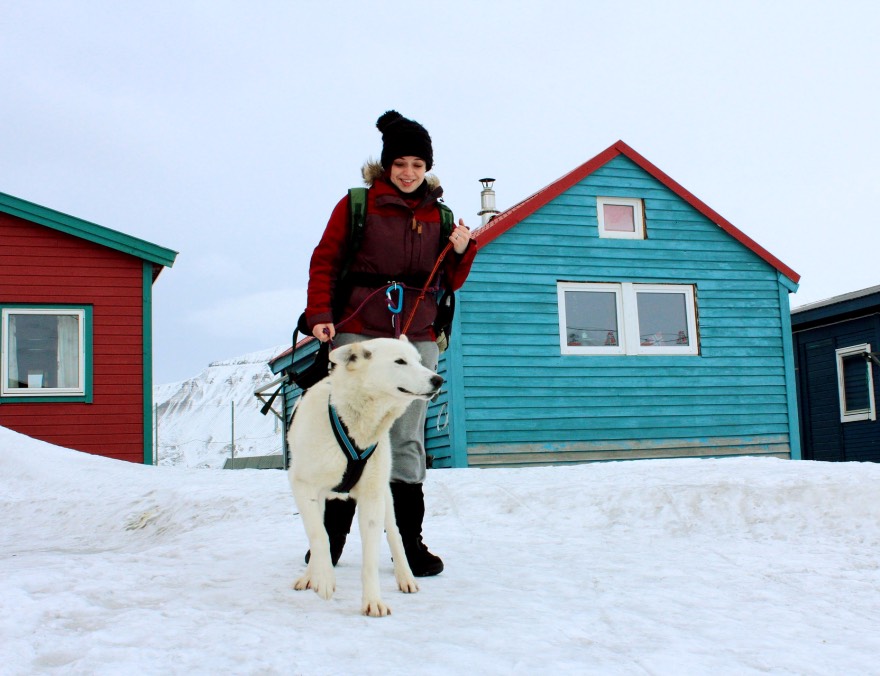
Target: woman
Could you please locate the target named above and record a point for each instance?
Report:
(401, 243)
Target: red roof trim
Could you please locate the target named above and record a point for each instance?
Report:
(289, 350)
(506, 220)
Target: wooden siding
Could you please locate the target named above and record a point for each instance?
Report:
(91, 232)
(437, 425)
(522, 397)
(514, 455)
(290, 393)
(42, 266)
(824, 436)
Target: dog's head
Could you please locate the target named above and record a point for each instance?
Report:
(392, 367)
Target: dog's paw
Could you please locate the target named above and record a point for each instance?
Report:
(407, 584)
(322, 584)
(375, 608)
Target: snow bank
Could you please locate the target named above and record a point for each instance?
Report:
(738, 566)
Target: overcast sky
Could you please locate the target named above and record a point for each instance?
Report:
(227, 131)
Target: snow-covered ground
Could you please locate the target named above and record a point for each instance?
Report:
(737, 566)
(197, 417)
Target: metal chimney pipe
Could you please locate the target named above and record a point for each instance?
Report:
(487, 200)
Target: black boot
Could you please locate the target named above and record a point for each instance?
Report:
(337, 522)
(409, 512)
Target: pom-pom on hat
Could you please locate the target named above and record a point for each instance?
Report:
(402, 137)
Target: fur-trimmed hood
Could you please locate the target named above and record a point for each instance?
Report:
(373, 170)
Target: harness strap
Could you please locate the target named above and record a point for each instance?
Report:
(372, 280)
(356, 456)
(352, 475)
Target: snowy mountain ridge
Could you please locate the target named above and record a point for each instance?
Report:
(194, 420)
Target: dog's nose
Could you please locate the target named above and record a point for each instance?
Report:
(436, 381)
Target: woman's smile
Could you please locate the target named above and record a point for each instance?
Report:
(407, 173)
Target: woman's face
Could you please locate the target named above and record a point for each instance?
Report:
(407, 173)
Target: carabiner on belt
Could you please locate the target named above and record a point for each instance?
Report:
(398, 308)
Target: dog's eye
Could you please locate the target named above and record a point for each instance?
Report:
(400, 361)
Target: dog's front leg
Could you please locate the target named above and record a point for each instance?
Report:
(370, 524)
(402, 572)
(319, 574)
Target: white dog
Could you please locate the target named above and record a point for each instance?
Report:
(371, 384)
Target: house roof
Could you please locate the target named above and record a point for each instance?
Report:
(507, 219)
(92, 232)
(276, 363)
(845, 306)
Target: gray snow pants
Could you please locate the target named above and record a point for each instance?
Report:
(408, 457)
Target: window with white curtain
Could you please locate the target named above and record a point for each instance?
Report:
(42, 352)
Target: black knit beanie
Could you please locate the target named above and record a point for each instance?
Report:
(402, 137)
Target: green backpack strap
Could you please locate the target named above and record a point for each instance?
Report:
(447, 222)
(446, 300)
(357, 218)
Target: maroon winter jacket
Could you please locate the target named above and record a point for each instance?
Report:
(401, 242)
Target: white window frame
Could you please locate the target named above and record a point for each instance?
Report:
(859, 414)
(5, 390)
(630, 304)
(638, 216)
(561, 288)
(629, 335)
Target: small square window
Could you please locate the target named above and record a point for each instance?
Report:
(855, 384)
(620, 217)
(43, 352)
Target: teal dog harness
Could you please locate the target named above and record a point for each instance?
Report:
(357, 457)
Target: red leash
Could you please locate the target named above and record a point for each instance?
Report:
(425, 287)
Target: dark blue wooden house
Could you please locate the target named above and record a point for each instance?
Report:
(837, 346)
(612, 315)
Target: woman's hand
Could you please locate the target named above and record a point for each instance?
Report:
(460, 237)
(324, 332)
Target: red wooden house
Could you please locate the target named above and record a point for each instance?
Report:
(76, 331)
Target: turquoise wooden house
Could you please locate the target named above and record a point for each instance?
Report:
(612, 315)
